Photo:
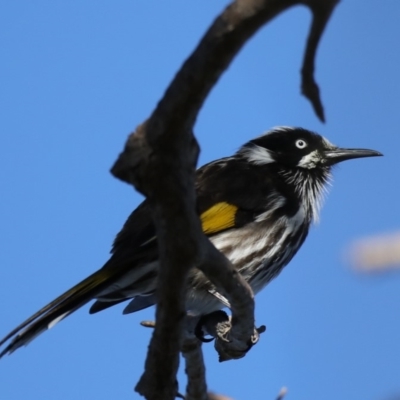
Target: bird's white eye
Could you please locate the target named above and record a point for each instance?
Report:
(301, 144)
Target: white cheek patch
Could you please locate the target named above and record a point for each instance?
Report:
(310, 160)
(258, 155)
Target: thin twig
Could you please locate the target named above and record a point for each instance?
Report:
(322, 11)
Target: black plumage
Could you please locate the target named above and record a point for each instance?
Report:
(255, 206)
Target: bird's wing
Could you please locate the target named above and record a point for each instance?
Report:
(219, 217)
(223, 202)
(137, 232)
(231, 195)
(218, 206)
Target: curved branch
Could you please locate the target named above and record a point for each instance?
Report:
(322, 11)
(235, 337)
(159, 160)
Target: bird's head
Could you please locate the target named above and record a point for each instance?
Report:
(298, 148)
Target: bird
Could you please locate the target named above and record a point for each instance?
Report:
(255, 206)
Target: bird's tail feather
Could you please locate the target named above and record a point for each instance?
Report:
(59, 308)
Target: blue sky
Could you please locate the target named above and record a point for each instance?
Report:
(77, 77)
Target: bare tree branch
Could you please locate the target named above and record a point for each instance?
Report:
(239, 334)
(159, 160)
(322, 11)
(195, 369)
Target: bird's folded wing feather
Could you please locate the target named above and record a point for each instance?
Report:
(135, 244)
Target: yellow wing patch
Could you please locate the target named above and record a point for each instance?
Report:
(219, 217)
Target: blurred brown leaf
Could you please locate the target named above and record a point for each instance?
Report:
(378, 253)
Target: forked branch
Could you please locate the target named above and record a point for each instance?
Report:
(159, 159)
